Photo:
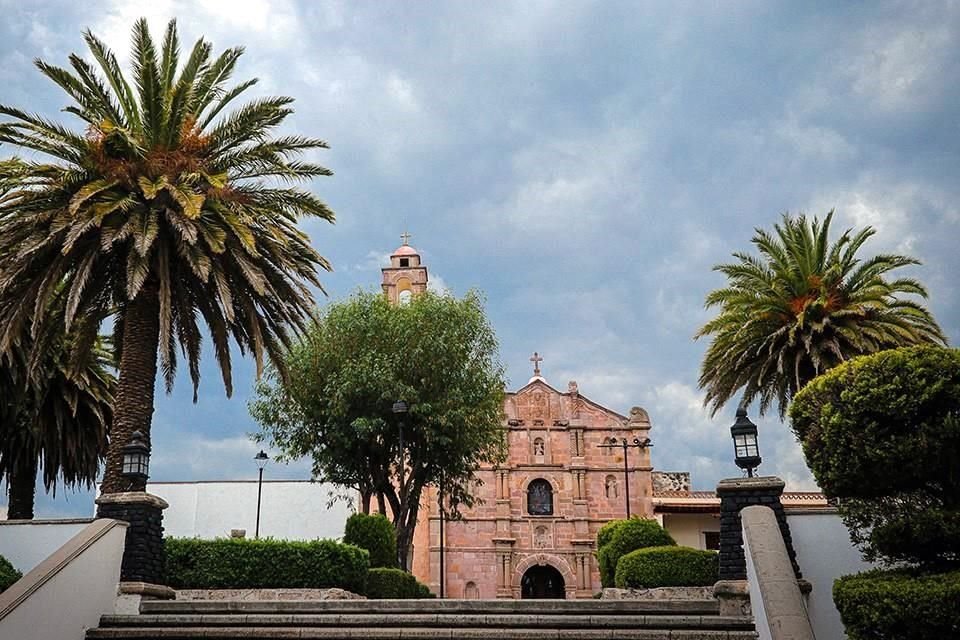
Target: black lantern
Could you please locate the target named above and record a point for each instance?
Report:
(136, 458)
(261, 459)
(745, 447)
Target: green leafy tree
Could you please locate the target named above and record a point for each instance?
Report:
(55, 421)
(165, 211)
(801, 307)
(438, 354)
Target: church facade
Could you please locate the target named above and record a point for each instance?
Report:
(572, 466)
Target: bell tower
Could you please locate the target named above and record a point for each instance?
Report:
(405, 277)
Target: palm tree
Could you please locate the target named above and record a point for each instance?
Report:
(164, 210)
(802, 307)
(56, 420)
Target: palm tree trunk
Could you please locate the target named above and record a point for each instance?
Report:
(21, 487)
(133, 403)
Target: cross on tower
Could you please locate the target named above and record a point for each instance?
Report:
(405, 236)
(536, 359)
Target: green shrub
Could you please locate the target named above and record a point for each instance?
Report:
(228, 563)
(8, 574)
(882, 432)
(899, 604)
(386, 583)
(376, 534)
(667, 567)
(605, 533)
(629, 535)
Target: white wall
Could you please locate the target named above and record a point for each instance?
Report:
(67, 593)
(825, 553)
(25, 543)
(688, 528)
(289, 509)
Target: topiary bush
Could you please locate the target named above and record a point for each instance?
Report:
(228, 563)
(389, 584)
(376, 534)
(629, 535)
(882, 432)
(8, 574)
(605, 533)
(668, 566)
(899, 604)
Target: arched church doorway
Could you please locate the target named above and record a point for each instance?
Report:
(542, 581)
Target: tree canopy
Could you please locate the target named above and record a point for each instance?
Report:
(438, 354)
(803, 306)
(169, 210)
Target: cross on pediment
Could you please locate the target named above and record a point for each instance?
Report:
(536, 359)
(405, 236)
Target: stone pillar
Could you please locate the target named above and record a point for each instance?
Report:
(143, 553)
(504, 547)
(735, 494)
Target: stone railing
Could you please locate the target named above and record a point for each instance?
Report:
(84, 573)
(775, 597)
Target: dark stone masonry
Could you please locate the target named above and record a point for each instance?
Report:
(143, 554)
(735, 494)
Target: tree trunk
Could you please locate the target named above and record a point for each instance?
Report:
(133, 402)
(21, 487)
(365, 502)
(381, 504)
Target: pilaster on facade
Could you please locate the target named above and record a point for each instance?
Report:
(504, 550)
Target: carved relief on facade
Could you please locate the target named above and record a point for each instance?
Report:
(534, 405)
(542, 537)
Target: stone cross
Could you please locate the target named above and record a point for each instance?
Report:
(405, 236)
(536, 359)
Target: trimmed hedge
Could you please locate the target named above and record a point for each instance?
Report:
(629, 535)
(605, 533)
(388, 584)
(667, 566)
(376, 534)
(227, 563)
(8, 574)
(900, 604)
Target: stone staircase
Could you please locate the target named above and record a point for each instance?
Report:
(428, 619)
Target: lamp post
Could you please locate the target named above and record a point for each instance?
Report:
(626, 445)
(400, 409)
(442, 517)
(261, 459)
(136, 460)
(745, 447)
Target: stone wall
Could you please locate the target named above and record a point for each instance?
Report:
(670, 481)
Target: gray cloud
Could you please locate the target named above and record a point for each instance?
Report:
(584, 163)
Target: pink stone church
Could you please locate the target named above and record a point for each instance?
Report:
(534, 533)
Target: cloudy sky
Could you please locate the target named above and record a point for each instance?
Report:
(583, 163)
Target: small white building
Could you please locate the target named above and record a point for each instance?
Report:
(289, 509)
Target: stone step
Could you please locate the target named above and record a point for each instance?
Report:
(458, 607)
(445, 621)
(407, 633)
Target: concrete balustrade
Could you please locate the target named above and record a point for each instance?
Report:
(775, 596)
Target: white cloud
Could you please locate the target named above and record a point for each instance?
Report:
(900, 68)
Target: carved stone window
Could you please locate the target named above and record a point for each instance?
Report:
(538, 447)
(540, 498)
(610, 486)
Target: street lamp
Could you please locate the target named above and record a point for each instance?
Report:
(746, 450)
(400, 409)
(261, 459)
(626, 445)
(136, 459)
